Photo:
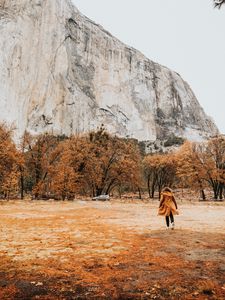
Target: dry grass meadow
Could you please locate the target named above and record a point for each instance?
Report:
(111, 250)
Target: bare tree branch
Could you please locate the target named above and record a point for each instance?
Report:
(218, 3)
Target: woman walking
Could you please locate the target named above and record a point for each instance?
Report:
(168, 206)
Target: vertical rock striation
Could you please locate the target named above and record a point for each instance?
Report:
(61, 72)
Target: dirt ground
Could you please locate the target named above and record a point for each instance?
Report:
(111, 250)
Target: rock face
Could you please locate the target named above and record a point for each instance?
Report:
(61, 72)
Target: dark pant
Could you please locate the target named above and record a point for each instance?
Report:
(169, 219)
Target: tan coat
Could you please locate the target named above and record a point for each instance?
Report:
(167, 204)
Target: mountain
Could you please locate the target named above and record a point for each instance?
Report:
(60, 72)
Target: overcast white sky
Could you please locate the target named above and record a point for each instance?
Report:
(187, 36)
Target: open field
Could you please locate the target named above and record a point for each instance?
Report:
(111, 250)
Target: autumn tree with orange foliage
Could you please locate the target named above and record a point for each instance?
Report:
(203, 164)
(160, 171)
(64, 179)
(215, 165)
(191, 169)
(9, 160)
(67, 173)
(39, 158)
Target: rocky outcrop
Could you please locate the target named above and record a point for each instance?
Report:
(61, 72)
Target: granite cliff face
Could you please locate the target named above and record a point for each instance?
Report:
(61, 72)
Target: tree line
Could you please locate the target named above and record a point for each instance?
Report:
(60, 167)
